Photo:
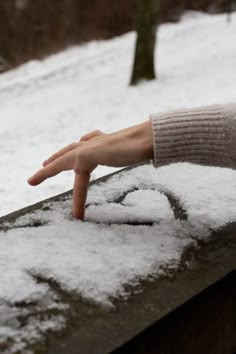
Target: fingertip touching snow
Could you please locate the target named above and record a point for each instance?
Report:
(131, 232)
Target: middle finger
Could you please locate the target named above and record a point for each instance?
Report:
(63, 163)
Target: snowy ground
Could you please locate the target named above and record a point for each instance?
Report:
(45, 105)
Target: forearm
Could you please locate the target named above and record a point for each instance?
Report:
(205, 135)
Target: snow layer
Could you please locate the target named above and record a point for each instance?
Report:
(45, 105)
(129, 234)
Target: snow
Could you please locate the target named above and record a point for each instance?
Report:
(130, 232)
(119, 244)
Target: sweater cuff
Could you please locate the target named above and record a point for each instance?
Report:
(192, 135)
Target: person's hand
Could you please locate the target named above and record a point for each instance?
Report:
(122, 148)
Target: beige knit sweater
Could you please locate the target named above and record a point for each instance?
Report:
(205, 135)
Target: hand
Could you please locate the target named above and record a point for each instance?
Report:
(122, 148)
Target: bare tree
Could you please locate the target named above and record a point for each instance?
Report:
(3, 64)
(229, 9)
(147, 22)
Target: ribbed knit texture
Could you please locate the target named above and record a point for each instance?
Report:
(204, 135)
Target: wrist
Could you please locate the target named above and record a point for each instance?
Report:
(147, 139)
(142, 133)
(131, 145)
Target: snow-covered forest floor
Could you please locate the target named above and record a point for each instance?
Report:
(46, 105)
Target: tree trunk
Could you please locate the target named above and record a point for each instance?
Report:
(147, 21)
(229, 9)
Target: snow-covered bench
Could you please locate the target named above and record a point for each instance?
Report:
(151, 269)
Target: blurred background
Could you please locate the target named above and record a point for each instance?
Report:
(33, 29)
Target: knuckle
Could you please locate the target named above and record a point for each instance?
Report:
(91, 135)
(73, 145)
(84, 137)
(76, 169)
(98, 132)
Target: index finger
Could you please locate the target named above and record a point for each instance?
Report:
(80, 194)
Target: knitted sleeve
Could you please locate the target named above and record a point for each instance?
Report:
(204, 135)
